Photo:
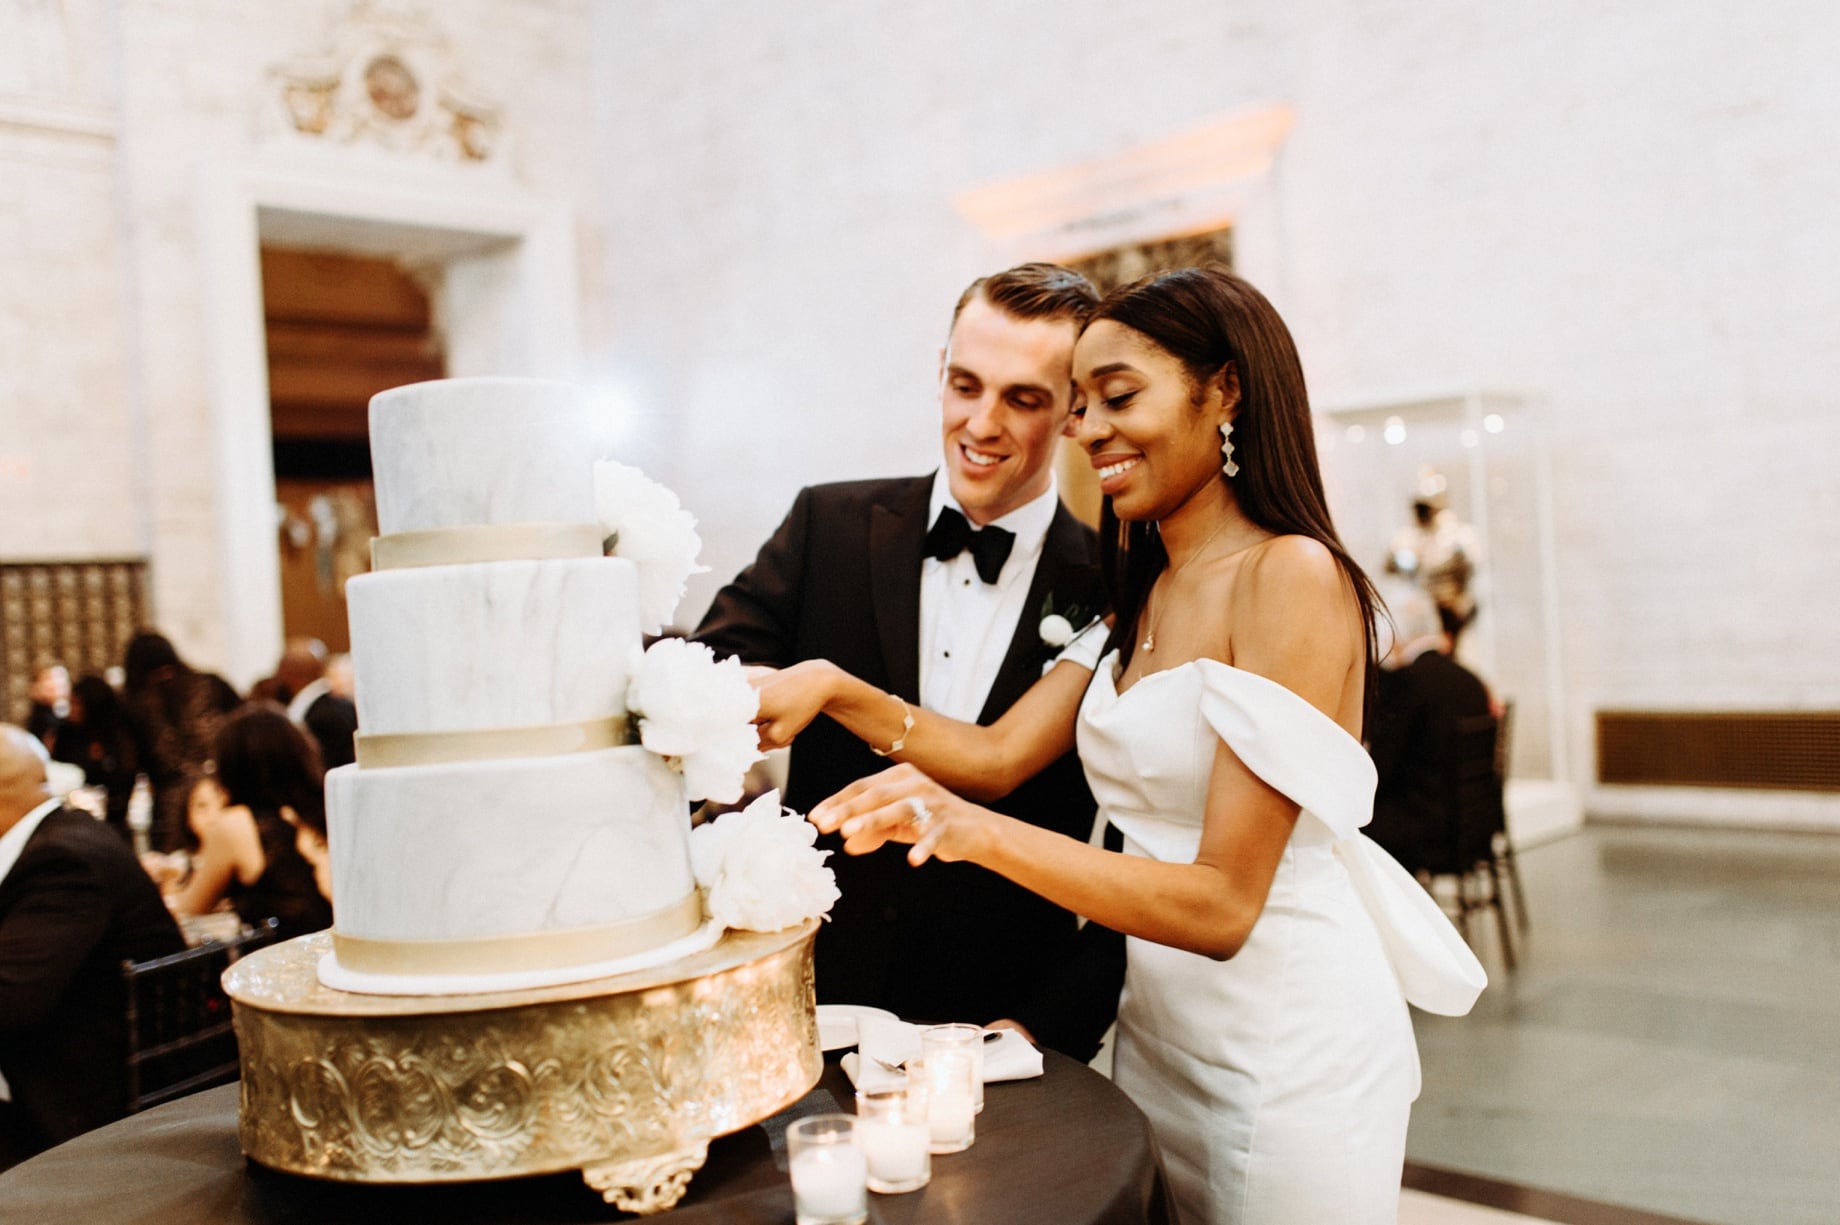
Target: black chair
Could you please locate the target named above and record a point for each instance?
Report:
(180, 1037)
(1504, 845)
(1465, 850)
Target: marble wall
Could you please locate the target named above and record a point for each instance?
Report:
(1624, 212)
(111, 114)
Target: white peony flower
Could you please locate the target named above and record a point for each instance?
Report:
(646, 525)
(698, 713)
(1056, 630)
(760, 868)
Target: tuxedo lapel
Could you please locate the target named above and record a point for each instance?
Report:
(1067, 574)
(897, 533)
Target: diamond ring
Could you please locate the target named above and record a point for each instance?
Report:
(922, 814)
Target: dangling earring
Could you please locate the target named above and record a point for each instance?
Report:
(1226, 449)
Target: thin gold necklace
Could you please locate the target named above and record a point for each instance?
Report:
(1156, 615)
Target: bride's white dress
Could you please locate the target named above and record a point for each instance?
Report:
(1279, 1082)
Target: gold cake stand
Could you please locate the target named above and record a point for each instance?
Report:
(626, 1079)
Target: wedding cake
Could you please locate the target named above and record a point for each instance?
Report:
(502, 827)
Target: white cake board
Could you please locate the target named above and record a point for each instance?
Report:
(340, 978)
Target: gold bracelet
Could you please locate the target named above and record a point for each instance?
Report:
(907, 725)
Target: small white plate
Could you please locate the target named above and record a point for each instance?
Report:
(837, 1023)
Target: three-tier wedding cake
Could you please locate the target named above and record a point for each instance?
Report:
(521, 978)
(502, 827)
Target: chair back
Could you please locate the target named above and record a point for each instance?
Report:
(1504, 739)
(1476, 789)
(180, 1036)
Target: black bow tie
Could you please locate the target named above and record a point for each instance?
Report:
(951, 534)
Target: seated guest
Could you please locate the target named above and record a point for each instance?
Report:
(99, 738)
(176, 710)
(1421, 695)
(50, 697)
(310, 840)
(325, 708)
(74, 905)
(269, 774)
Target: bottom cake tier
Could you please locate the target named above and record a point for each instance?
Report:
(525, 867)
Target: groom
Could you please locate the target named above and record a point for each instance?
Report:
(934, 588)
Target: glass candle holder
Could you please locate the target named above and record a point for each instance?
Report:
(951, 1111)
(829, 1176)
(894, 1133)
(966, 1038)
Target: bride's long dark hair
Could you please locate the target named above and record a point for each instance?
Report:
(1207, 319)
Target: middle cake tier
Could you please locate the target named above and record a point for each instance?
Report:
(492, 644)
(516, 864)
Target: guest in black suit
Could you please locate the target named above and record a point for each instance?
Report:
(904, 584)
(74, 904)
(1421, 695)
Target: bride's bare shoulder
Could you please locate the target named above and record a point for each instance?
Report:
(1292, 597)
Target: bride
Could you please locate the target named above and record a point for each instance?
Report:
(1272, 948)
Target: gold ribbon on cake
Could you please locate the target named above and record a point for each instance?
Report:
(571, 946)
(453, 546)
(387, 749)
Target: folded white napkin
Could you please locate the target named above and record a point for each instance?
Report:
(1008, 1057)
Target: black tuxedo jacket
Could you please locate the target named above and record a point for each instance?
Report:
(840, 580)
(74, 907)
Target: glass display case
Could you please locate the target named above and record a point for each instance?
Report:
(1451, 491)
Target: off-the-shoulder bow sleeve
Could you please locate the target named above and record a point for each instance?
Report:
(1301, 752)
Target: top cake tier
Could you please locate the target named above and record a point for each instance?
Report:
(460, 452)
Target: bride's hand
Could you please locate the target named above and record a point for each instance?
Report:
(790, 698)
(901, 804)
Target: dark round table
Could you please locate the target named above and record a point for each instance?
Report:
(1066, 1149)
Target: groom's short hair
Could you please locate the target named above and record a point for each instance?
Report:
(1034, 291)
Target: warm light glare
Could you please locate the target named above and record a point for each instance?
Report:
(1494, 424)
(1469, 438)
(1356, 433)
(1395, 432)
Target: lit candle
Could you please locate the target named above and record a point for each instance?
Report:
(951, 1114)
(895, 1150)
(952, 1106)
(830, 1183)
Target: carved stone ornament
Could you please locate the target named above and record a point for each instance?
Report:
(626, 1079)
(389, 80)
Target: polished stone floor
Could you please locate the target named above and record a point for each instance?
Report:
(1671, 1040)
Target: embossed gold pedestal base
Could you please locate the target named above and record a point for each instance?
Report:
(626, 1079)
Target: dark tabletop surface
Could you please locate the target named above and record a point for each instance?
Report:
(1065, 1149)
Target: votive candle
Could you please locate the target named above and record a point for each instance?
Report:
(893, 1131)
(952, 1107)
(829, 1174)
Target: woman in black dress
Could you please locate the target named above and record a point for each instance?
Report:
(271, 782)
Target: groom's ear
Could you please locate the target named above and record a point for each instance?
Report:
(941, 376)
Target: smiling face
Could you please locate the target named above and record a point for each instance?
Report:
(1003, 399)
(1153, 435)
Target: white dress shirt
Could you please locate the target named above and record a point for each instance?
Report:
(966, 624)
(12, 843)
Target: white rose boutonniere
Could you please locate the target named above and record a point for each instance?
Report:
(1056, 630)
(645, 524)
(697, 714)
(760, 868)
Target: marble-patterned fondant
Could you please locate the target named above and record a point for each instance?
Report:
(492, 644)
(496, 848)
(463, 452)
